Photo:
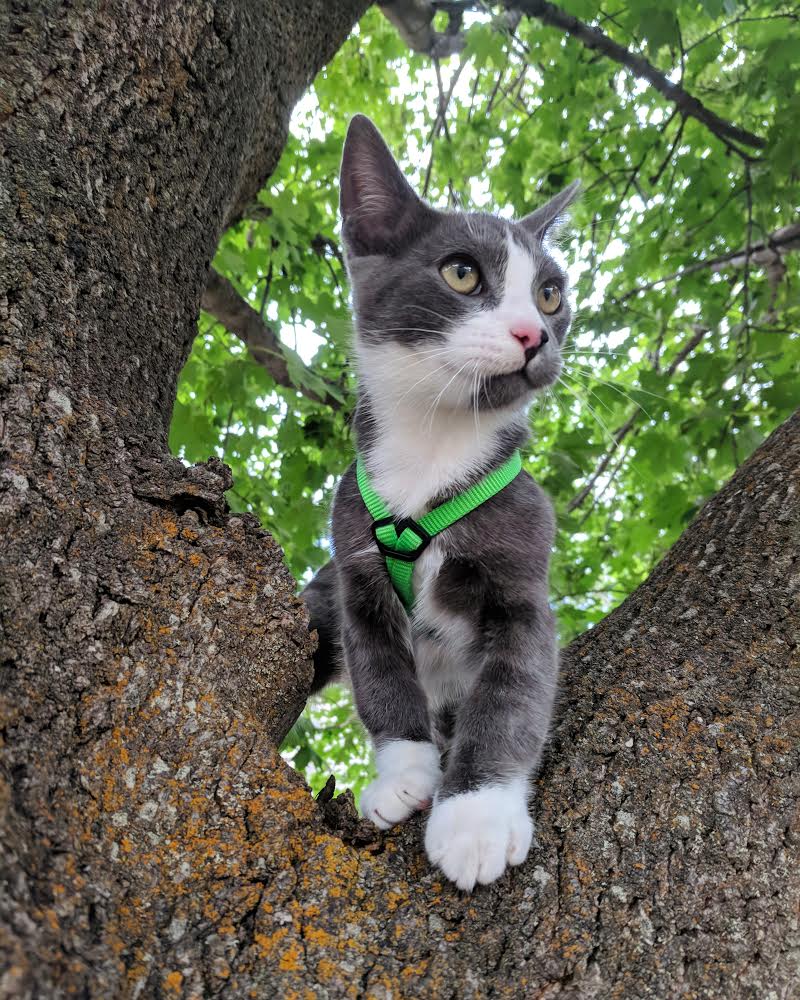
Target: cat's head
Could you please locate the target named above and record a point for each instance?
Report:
(466, 307)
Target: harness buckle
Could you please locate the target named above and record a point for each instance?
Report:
(400, 526)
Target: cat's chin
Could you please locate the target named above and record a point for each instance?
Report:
(517, 387)
(509, 390)
(536, 378)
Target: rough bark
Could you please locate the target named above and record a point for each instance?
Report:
(136, 616)
(153, 842)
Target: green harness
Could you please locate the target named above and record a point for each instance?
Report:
(403, 540)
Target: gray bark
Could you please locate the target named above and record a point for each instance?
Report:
(136, 616)
(152, 654)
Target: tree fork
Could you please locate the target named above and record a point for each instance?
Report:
(152, 653)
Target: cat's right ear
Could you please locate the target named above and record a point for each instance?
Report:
(379, 207)
(538, 223)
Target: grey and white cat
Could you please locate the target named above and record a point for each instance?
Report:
(460, 318)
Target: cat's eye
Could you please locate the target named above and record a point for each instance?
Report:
(548, 298)
(462, 275)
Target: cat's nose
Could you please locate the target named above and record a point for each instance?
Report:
(531, 337)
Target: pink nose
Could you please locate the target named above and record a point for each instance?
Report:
(528, 336)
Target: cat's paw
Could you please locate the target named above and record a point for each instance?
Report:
(473, 837)
(408, 776)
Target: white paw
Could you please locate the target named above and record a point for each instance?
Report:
(408, 776)
(473, 836)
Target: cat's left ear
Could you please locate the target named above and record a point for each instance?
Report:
(544, 218)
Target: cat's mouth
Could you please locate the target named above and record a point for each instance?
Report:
(531, 372)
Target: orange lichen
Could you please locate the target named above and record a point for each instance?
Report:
(173, 982)
(267, 943)
(318, 936)
(393, 899)
(290, 959)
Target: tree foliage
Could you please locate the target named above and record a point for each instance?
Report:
(683, 354)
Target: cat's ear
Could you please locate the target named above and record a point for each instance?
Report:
(379, 208)
(544, 218)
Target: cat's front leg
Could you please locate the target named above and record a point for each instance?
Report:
(480, 822)
(379, 654)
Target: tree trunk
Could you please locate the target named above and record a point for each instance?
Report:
(147, 639)
(153, 656)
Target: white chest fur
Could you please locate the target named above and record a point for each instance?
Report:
(413, 465)
(445, 668)
(424, 445)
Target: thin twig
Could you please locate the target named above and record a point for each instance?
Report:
(617, 438)
(609, 480)
(622, 432)
(656, 177)
(441, 114)
(594, 39)
(222, 301)
(227, 432)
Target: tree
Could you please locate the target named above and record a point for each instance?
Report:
(154, 654)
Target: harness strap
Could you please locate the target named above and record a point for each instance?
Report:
(403, 540)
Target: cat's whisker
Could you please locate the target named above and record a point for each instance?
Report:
(377, 330)
(419, 361)
(485, 379)
(408, 391)
(542, 399)
(435, 371)
(552, 394)
(429, 351)
(432, 409)
(433, 312)
(601, 353)
(587, 372)
(577, 381)
(625, 395)
(476, 407)
(415, 363)
(443, 391)
(609, 437)
(616, 388)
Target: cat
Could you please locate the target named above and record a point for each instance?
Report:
(459, 319)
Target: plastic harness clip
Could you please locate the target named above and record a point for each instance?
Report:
(399, 528)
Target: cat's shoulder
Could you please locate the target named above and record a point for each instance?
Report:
(350, 518)
(517, 518)
(525, 497)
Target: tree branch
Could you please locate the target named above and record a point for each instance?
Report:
(593, 38)
(588, 486)
(440, 122)
(224, 303)
(775, 245)
(414, 22)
